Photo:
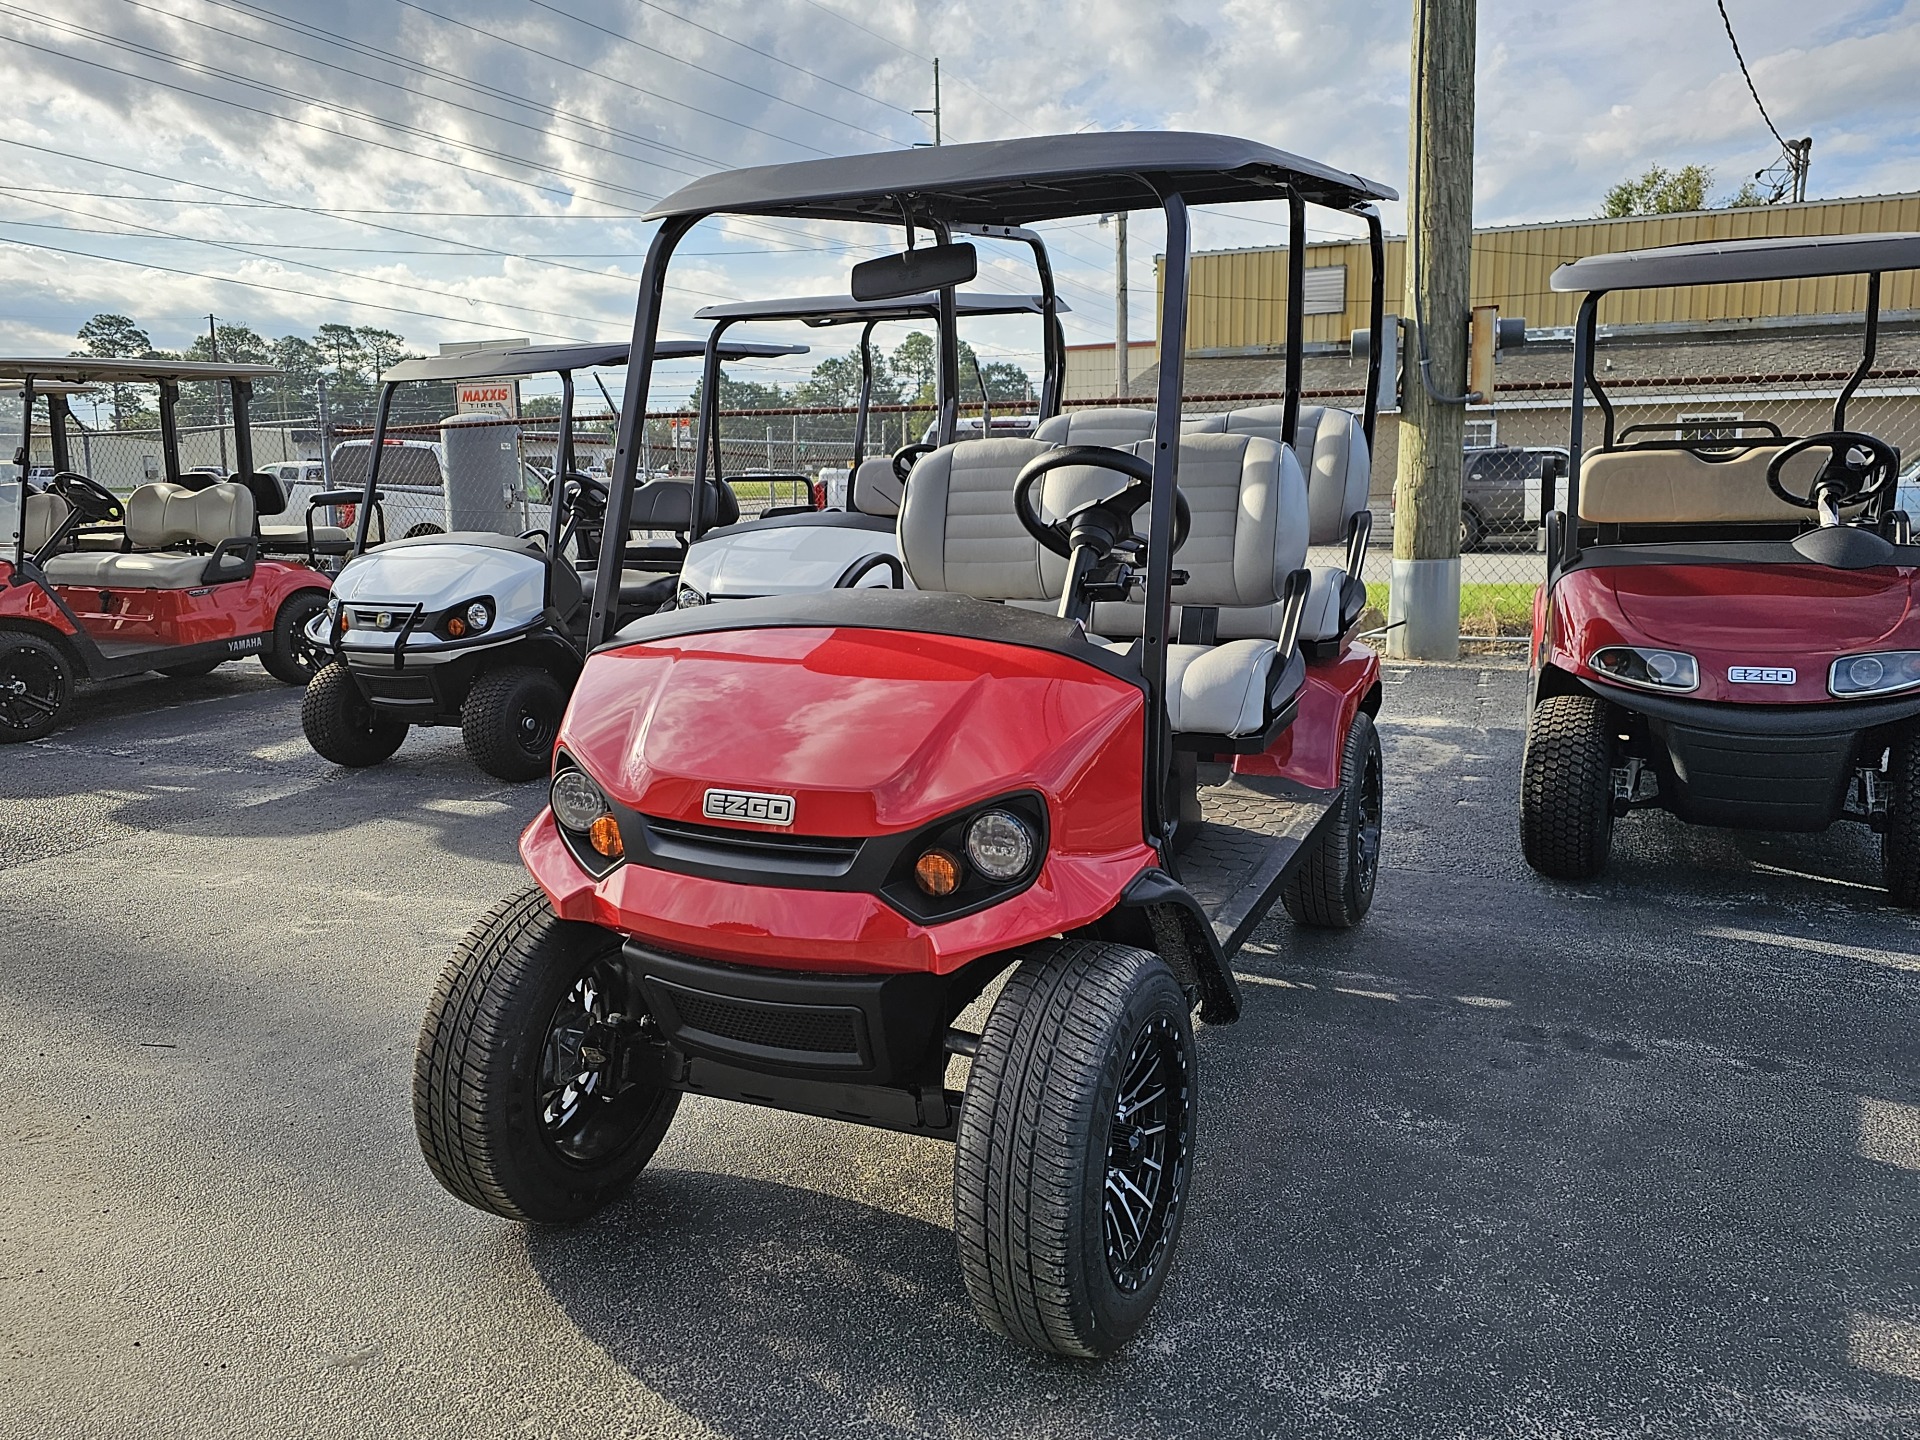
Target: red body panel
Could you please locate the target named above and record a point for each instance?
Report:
(1803, 616)
(199, 616)
(871, 732)
(1309, 750)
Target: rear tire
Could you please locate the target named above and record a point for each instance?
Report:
(1566, 787)
(510, 720)
(512, 1116)
(36, 684)
(1074, 1148)
(1334, 885)
(340, 724)
(189, 672)
(1473, 530)
(1900, 844)
(294, 658)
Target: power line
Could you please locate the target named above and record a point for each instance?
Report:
(908, 50)
(718, 75)
(1733, 40)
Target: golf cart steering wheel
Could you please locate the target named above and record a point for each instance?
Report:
(906, 457)
(92, 499)
(1842, 481)
(1058, 536)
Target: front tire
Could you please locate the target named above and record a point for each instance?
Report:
(292, 657)
(1074, 1147)
(1473, 530)
(36, 684)
(510, 720)
(1333, 887)
(1900, 844)
(340, 724)
(1566, 787)
(522, 1100)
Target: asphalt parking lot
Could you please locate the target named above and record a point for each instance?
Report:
(1635, 1158)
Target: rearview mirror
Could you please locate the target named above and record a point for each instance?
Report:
(932, 267)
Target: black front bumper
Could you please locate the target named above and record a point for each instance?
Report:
(1760, 767)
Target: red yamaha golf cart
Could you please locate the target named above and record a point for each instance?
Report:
(178, 577)
(792, 838)
(1728, 629)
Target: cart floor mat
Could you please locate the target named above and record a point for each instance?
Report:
(1254, 834)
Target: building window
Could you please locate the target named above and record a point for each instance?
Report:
(1713, 425)
(1324, 290)
(1482, 434)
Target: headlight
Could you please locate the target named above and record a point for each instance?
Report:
(688, 598)
(479, 615)
(1879, 674)
(466, 620)
(1649, 669)
(333, 609)
(999, 846)
(582, 807)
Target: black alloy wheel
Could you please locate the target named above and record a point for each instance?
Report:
(510, 720)
(587, 1112)
(1147, 1155)
(292, 657)
(36, 682)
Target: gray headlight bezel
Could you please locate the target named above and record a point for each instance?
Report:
(1893, 660)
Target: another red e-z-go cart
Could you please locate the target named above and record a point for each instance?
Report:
(179, 577)
(791, 839)
(1728, 628)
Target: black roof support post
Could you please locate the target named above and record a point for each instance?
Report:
(1296, 311)
(26, 468)
(1166, 474)
(633, 415)
(374, 451)
(1376, 319)
(1866, 358)
(57, 414)
(866, 400)
(242, 427)
(706, 435)
(170, 428)
(1583, 332)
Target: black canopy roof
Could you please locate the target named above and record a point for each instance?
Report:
(93, 370)
(820, 310)
(1016, 182)
(505, 364)
(1733, 262)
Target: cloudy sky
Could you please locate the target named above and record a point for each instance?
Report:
(473, 170)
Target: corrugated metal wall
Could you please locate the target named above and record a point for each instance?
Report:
(1237, 298)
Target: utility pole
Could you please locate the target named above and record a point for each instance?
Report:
(1423, 611)
(935, 111)
(219, 399)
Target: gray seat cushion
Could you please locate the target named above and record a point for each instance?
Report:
(876, 490)
(110, 570)
(285, 539)
(1118, 426)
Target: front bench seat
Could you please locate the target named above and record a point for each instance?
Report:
(41, 516)
(160, 515)
(875, 489)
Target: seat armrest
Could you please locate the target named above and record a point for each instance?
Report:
(1359, 532)
(342, 497)
(1293, 605)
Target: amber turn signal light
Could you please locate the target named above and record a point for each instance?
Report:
(937, 873)
(604, 836)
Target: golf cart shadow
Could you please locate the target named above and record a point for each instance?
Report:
(1839, 865)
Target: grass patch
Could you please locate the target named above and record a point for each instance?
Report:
(1485, 609)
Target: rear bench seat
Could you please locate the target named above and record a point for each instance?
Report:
(160, 515)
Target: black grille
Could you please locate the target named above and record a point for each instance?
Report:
(759, 1029)
(750, 850)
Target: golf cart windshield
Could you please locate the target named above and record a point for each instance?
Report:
(1746, 391)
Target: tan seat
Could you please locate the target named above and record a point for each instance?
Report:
(1117, 426)
(292, 539)
(876, 490)
(1674, 486)
(162, 515)
(41, 516)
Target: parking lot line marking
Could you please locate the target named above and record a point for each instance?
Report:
(1890, 1132)
(1892, 959)
(1278, 984)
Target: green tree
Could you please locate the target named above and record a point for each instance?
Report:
(836, 381)
(913, 362)
(116, 337)
(1659, 191)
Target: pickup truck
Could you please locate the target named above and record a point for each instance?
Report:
(410, 479)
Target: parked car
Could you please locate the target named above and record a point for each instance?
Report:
(1500, 491)
(410, 477)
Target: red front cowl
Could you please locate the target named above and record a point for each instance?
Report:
(1801, 617)
(870, 732)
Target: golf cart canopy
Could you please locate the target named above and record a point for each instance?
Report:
(551, 359)
(92, 370)
(1733, 262)
(819, 310)
(1017, 182)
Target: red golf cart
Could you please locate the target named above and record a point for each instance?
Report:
(1728, 629)
(792, 838)
(179, 577)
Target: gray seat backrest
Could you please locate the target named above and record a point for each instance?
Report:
(163, 514)
(1118, 426)
(876, 490)
(958, 531)
(45, 513)
(1332, 450)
